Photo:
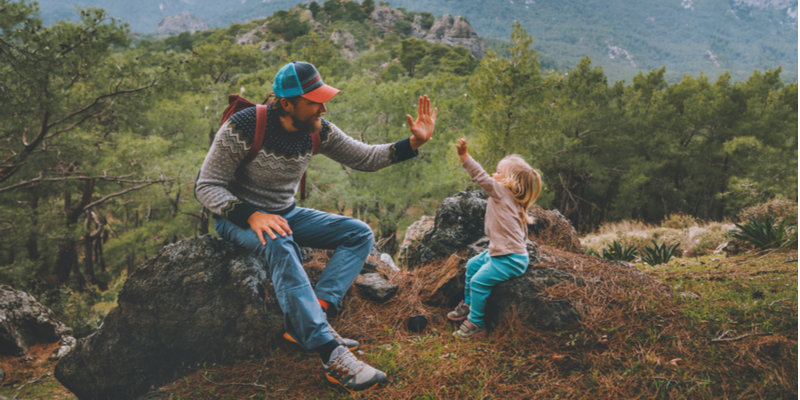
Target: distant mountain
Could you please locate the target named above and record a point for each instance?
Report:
(686, 36)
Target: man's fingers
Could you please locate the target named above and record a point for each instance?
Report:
(421, 106)
(261, 237)
(410, 121)
(285, 227)
(427, 106)
(270, 233)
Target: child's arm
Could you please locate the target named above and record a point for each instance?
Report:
(476, 172)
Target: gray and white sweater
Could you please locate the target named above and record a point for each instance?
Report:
(269, 182)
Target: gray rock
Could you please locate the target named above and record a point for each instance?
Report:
(458, 223)
(417, 31)
(2, 376)
(521, 295)
(24, 322)
(456, 32)
(375, 287)
(198, 299)
(387, 259)
(384, 17)
(369, 266)
(183, 22)
(411, 241)
(347, 42)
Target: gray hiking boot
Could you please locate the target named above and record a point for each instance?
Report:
(353, 375)
(460, 313)
(469, 330)
(351, 344)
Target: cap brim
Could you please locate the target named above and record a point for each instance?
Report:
(321, 94)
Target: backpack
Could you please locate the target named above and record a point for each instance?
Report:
(238, 103)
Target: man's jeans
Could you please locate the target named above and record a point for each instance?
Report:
(352, 241)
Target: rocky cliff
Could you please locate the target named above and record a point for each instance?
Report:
(183, 22)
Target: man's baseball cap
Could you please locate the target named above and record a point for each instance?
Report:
(302, 79)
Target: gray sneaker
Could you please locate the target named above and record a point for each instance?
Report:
(351, 344)
(469, 330)
(353, 375)
(460, 313)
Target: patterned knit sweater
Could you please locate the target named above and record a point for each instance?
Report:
(270, 181)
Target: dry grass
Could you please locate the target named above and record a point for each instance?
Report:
(695, 240)
(638, 339)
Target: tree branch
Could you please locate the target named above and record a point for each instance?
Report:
(90, 205)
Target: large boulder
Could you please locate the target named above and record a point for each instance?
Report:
(198, 299)
(459, 223)
(444, 286)
(412, 240)
(24, 322)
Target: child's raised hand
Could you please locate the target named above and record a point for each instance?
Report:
(461, 147)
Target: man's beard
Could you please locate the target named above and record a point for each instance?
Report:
(311, 125)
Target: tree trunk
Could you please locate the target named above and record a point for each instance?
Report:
(32, 245)
(66, 259)
(88, 259)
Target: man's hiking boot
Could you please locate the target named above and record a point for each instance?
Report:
(460, 313)
(469, 330)
(351, 344)
(353, 375)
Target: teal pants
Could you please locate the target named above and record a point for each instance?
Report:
(483, 273)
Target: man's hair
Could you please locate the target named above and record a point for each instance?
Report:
(276, 105)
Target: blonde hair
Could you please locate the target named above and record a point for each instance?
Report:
(524, 182)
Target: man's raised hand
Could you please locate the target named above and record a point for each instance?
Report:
(422, 128)
(270, 223)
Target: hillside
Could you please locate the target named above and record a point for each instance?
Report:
(686, 36)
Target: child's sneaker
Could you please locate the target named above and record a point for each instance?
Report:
(353, 375)
(460, 313)
(469, 330)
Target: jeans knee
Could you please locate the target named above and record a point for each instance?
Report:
(361, 234)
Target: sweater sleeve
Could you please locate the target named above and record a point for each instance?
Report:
(341, 148)
(217, 173)
(487, 183)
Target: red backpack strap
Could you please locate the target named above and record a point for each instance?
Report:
(314, 150)
(258, 138)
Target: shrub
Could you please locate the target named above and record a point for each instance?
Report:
(617, 252)
(777, 208)
(764, 234)
(678, 221)
(658, 254)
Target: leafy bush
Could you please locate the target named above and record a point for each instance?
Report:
(778, 208)
(765, 235)
(658, 254)
(678, 221)
(617, 252)
(591, 252)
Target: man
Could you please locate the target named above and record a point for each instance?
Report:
(258, 197)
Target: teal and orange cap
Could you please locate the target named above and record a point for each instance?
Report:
(302, 79)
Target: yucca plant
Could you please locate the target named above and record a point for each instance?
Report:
(617, 252)
(764, 234)
(658, 254)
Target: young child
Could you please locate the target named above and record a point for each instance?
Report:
(512, 189)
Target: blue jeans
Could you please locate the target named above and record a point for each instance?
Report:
(483, 273)
(352, 241)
